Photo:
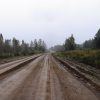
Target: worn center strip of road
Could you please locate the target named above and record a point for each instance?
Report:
(41, 90)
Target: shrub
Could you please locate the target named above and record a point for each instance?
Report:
(90, 57)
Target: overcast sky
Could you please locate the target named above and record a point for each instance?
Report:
(51, 20)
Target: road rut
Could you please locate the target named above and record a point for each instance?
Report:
(44, 79)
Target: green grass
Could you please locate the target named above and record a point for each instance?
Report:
(90, 57)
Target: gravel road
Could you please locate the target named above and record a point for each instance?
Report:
(43, 79)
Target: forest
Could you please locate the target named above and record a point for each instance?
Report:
(88, 52)
(13, 47)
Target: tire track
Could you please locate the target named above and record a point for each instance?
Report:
(72, 88)
(15, 67)
(41, 93)
(43, 79)
(28, 88)
(10, 85)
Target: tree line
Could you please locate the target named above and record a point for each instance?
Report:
(88, 44)
(87, 52)
(13, 47)
(70, 44)
(93, 43)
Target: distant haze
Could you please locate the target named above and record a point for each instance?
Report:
(51, 20)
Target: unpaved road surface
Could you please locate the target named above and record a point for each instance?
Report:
(43, 79)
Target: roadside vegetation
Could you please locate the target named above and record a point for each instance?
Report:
(88, 52)
(13, 47)
(90, 57)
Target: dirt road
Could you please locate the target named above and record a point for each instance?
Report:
(43, 79)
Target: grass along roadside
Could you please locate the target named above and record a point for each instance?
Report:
(90, 57)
